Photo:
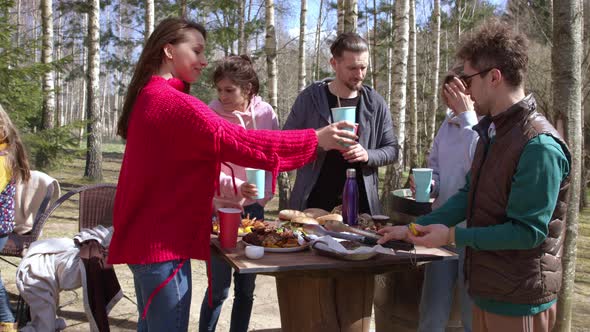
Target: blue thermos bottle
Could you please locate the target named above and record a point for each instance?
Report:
(350, 198)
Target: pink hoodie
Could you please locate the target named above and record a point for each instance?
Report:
(259, 115)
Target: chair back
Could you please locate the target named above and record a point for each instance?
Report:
(96, 206)
(31, 200)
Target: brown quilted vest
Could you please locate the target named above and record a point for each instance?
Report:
(531, 276)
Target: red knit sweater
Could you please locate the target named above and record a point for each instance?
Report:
(170, 171)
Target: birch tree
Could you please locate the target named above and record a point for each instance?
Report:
(48, 114)
(374, 41)
(270, 48)
(318, 33)
(412, 98)
(302, 32)
(398, 101)
(93, 169)
(389, 54)
(566, 59)
(182, 9)
(149, 18)
(242, 47)
(351, 15)
(435, 70)
(340, 9)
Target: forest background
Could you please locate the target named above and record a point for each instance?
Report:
(65, 66)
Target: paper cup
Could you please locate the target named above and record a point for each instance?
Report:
(229, 223)
(344, 114)
(422, 179)
(256, 177)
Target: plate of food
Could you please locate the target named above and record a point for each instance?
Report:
(245, 228)
(275, 238)
(343, 249)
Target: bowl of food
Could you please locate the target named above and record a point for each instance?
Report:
(403, 202)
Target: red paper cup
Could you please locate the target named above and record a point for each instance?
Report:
(229, 223)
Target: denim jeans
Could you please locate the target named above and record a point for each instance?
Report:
(437, 295)
(5, 313)
(170, 308)
(243, 290)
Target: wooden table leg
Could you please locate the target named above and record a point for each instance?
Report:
(321, 304)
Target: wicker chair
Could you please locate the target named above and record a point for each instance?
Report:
(95, 207)
(17, 244)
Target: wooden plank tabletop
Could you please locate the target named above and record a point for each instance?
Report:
(307, 261)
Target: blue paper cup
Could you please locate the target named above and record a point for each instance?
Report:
(344, 114)
(256, 177)
(422, 179)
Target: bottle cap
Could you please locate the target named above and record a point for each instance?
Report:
(350, 173)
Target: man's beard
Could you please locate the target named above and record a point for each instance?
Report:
(354, 87)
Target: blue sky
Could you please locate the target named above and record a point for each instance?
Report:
(423, 10)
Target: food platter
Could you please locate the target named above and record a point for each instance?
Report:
(323, 249)
(283, 250)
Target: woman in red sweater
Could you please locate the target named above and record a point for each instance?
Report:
(170, 171)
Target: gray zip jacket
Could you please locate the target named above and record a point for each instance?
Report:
(311, 110)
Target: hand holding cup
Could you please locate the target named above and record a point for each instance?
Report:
(249, 190)
(336, 136)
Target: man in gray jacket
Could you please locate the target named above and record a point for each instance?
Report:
(319, 184)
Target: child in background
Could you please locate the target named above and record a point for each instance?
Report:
(237, 88)
(14, 168)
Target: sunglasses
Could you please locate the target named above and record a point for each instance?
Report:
(467, 79)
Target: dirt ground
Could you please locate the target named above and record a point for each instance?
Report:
(123, 317)
(265, 313)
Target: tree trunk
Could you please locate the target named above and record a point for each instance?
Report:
(183, 8)
(398, 100)
(351, 14)
(48, 114)
(93, 169)
(374, 53)
(317, 42)
(302, 32)
(435, 75)
(18, 20)
(412, 100)
(59, 100)
(389, 54)
(341, 12)
(270, 48)
(149, 18)
(566, 59)
(242, 47)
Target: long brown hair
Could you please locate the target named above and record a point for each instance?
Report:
(169, 31)
(16, 157)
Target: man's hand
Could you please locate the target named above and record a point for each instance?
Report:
(413, 185)
(249, 190)
(335, 137)
(432, 236)
(355, 154)
(393, 233)
(456, 97)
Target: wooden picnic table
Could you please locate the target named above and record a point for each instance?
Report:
(318, 293)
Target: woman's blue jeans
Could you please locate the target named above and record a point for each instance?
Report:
(437, 295)
(170, 308)
(5, 312)
(244, 285)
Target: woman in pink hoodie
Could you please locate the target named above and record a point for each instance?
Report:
(237, 88)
